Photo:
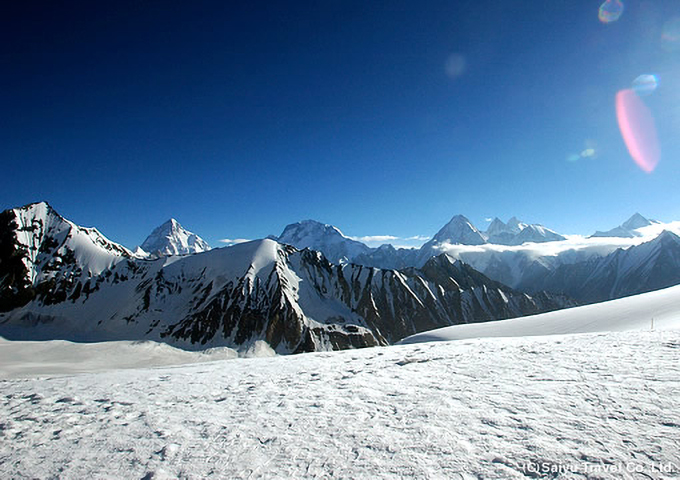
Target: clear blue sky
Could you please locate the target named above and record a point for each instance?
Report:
(383, 118)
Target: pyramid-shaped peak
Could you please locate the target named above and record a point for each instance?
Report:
(496, 226)
(459, 230)
(515, 225)
(636, 221)
(171, 238)
(171, 224)
(667, 236)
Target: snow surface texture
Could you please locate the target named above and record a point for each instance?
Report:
(593, 406)
(59, 357)
(598, 405)
(172, 239)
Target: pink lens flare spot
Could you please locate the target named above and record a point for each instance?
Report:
(637, 129)
(610, 11)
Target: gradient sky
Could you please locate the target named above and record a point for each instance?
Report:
(238, 118)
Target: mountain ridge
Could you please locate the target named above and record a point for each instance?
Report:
(295, 300)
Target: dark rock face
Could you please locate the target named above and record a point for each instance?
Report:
(16, 289)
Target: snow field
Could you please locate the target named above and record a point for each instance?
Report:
(659, 310)
(588, 406)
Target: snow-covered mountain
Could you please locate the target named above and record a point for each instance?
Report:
(43, 255)
(323, 238)
(53, 272)
(564, 265)
(459, 231)
(641, 268)
(262, 290)
(628, 229)
(386, 256)
(172, 239)
(516, 232)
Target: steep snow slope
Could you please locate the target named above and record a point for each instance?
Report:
(658, 310)
(581, 407)
(43, 254)
(173, 239)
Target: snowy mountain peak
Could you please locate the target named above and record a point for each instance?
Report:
(636, 221)
(44, 254)
(38, 223)
(307, 231)
(324, 238)
(516, 232)
(667, 237)
(627, 229)
(495, 227)
(459, 230)
(537, 233)
(515, 225)
(172, 239)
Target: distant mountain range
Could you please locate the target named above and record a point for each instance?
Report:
(529, 257)
(59, 280)
(652, 265)
(310, 288)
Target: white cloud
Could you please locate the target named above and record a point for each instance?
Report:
(375, 238)
(233, 241)
(397, 242)
(488, 219)
(419, 238)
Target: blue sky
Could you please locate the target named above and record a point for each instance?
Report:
(239, 118)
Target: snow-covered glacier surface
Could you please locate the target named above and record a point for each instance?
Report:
(599, 405)
(659, 310)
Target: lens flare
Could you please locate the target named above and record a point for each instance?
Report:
(670, 35)
(610, 11)
(645, 85)
(637, 129)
